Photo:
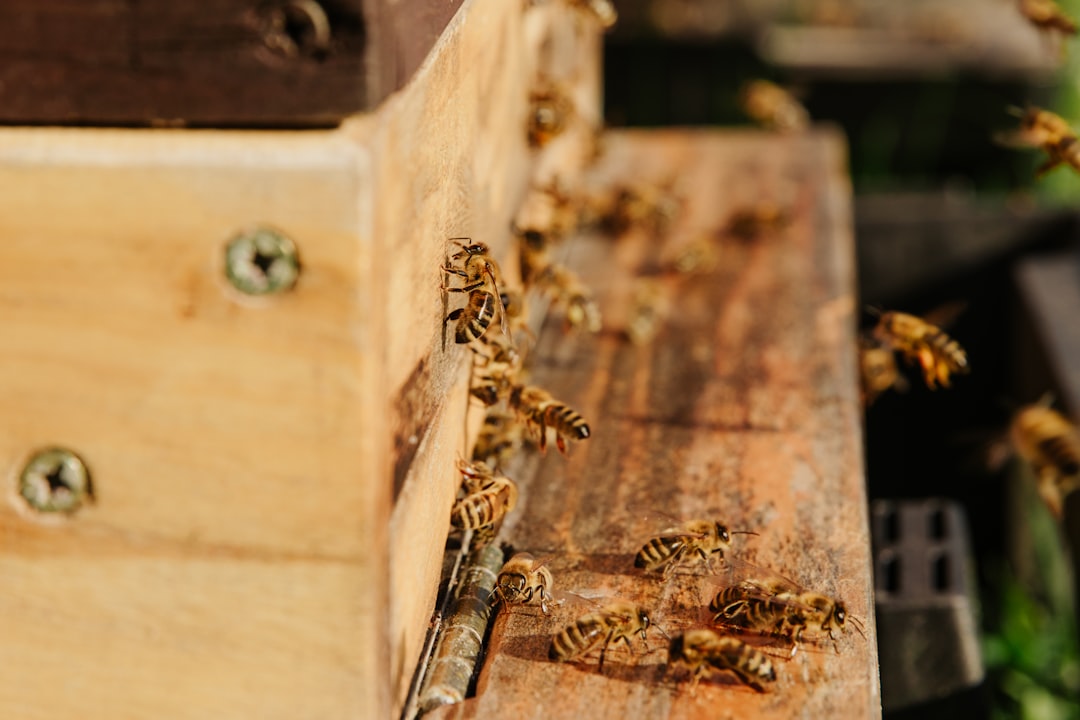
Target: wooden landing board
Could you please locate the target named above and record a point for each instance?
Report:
(744, 408)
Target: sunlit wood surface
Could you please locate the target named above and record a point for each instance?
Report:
(744, 407)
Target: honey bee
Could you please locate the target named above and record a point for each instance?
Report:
(487, 497)
(562, 286)
(611, 623)
(1047, 440)
(919, 341)
(773, 605)
(541, 411)
(694, 541)
(1048, 16)
(772, 106)
(1049, 132)
(479, 273)
(501, 436)
(646, 313)
(651, 207)
(750, 223)
(702, 651)
(877, 370)
(550, 111)
(523, 581)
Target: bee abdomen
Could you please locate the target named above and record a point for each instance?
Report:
(574, 640)
(475, 511)
(654, 553)
(566, 421)
(477, 317)
(1064, 454)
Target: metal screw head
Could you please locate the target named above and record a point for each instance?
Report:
(55, 480)
(261, 261)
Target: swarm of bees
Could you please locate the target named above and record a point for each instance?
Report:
(762, 607)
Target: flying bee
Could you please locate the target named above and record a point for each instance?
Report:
(694, 541)
(1047, 440)
(919, 341)
(598, 629)
(1045, 130)
(750, 223)
(770, 604)
(702, 651)
(877, 370)
(523, 581)
(550, 112)
(501, 436)
(480, 275)
(773, 106)
(647, 311)
(487, 497)
(542, 411)
(1046, 15)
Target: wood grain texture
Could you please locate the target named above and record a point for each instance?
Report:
(250, 553)
(743, 408)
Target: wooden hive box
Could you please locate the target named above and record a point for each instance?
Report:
(272, 475)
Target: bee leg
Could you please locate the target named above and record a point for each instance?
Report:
(560, 443)
(454, 271)
(1051, 163)
(603, 650)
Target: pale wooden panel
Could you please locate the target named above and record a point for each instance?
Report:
(250, 451)
(228, 545)
(744, 407)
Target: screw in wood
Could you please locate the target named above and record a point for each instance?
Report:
(55, 480)
(261, 261)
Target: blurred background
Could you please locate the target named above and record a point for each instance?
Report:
(949, 223)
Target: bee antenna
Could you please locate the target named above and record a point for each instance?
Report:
(874, 311)
(661, 631)
(1015, 110)
(742, 532)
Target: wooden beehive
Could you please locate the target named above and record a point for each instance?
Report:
(272, 475)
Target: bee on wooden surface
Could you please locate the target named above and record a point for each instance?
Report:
(480, 275)
(649, 207)
(523, 581)
(487, 497)
(501, 437)
(750, 223)
(550, 112)
(559, 284)
(616, 621)
(1047, 440)
(1046, 15)
(773, 106)
(565, 289)
(772, 605)
(877, 370)
(542, 411)
(703, 651)
(919, 341)
(1047, 131)
(647, 310)
(694, 541)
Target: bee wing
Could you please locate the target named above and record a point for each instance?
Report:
(740, 572)
(504, 324)
(945, 315)
(672, 525)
